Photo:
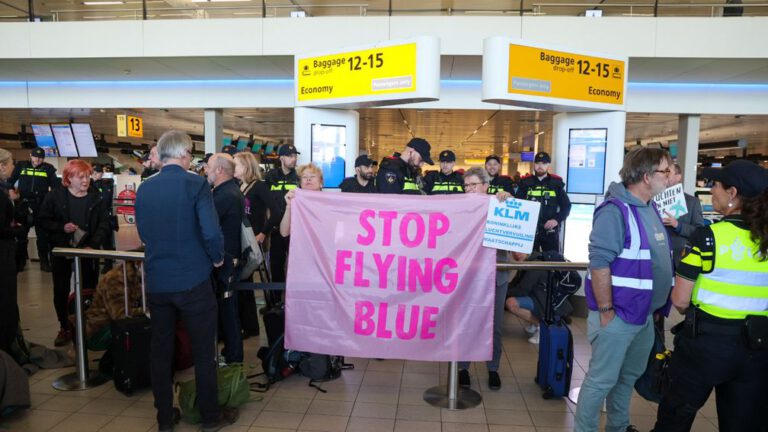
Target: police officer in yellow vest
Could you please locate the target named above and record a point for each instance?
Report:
(498, 182)
(397, 173)
(35, 179)
(280, 180)
(446, 181)
(722, 288)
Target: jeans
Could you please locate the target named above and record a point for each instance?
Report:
(498, 321)
(619, 356)
(197, 307)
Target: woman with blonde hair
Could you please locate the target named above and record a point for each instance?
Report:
(311, 178)
(257, 202)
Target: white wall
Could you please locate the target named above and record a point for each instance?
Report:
(685, 37)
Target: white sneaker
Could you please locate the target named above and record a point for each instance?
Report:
(531, 329)
(534, 339)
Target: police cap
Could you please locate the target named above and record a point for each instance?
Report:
(749, 178)
(423, 148)
(229, 149)
(447, 156)
(287, 150)
(493, 157)
(542, 157)
(37, 152)
(363, 160)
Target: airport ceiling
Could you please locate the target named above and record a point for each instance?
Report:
(69, 10)
(383, 131)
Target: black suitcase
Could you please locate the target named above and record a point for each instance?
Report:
(130, 348)
(555, 363)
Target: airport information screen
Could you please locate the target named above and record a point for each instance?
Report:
(328, 150)
(586, 160)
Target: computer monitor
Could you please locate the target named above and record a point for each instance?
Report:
(44, 139)
(242, 143)
(65, 141)
(527, 156)
(86, 146)
(269, 149)
(257, 145)
(329, 144)
(578, 226)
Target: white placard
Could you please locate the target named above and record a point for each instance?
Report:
(672, 201)
(511, 225)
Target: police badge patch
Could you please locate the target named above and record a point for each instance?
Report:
(391, 177)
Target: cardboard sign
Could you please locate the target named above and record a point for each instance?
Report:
(511, 225)
(672, 201)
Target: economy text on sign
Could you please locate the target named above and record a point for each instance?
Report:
(542, 72)
(368, 72)
(390, 277)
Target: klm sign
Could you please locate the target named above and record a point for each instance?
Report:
(511, 211)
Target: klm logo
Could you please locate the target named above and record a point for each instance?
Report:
(511, 214)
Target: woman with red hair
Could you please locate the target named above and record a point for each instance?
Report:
(74, 216)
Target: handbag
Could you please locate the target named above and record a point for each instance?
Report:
(655, 380)
(233, 391)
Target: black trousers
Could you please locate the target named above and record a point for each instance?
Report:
(738, 375)
(62, 273)
(43, 244)
(198, 308)
(9, 309)
(278, 257)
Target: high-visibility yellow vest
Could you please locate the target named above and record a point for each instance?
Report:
(410, 184)
(283, 185)
(737, 286)
(33, 172)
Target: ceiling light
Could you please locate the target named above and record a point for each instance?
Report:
(102, 3)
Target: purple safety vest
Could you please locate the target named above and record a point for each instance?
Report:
(631, 271)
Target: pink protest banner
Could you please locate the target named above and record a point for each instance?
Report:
(390, 276)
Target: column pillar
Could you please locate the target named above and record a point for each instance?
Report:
(214, 130)
(688, 126)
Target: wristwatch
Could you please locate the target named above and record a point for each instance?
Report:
(605, 309)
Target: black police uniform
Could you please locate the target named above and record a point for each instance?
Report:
(350, 184)
(33, 185)
(501, 183)
(279, 184)
(550, 192)
(437, 183)
(396, 177)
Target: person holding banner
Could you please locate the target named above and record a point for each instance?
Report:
(680, 229)
(629, 279)
(477, 180)
(311, 179)
(721, 288)
(397, 173)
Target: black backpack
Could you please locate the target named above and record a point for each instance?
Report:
(567, 282)
(273, 363)
(322, 367)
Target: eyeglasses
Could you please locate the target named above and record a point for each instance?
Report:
(666, 172)
(471, 185)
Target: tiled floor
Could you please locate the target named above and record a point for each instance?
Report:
(375, 396)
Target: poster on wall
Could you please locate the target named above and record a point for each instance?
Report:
(586, 160)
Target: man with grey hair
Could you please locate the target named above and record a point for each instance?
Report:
(177, 222)
(230, 207)
(629, 280)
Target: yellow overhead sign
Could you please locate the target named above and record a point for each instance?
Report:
(369, 72)
(135, 127)
(557, 74)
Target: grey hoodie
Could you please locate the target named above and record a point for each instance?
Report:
(607, 240)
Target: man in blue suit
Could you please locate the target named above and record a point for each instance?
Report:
(177, 222)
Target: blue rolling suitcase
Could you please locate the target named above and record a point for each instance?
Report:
(555, 364)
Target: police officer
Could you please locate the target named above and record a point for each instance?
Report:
(498, 182)
(446, 181)
(721, 288)
(280, 180)
(549, 190)
(35, 178)
(397, 173)
(362, 181)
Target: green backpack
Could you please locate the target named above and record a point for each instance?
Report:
(234, 391)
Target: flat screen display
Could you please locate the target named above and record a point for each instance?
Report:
(586, 160)
(257, 147)
(65, 141)
(226, 140)
(86, 146)
(329, 144)
(578, 226)
(44, 139)
(526, 156)
(242, 143)
(269, 149)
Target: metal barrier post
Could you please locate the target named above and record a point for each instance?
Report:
(82, 378)
(451, 396)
